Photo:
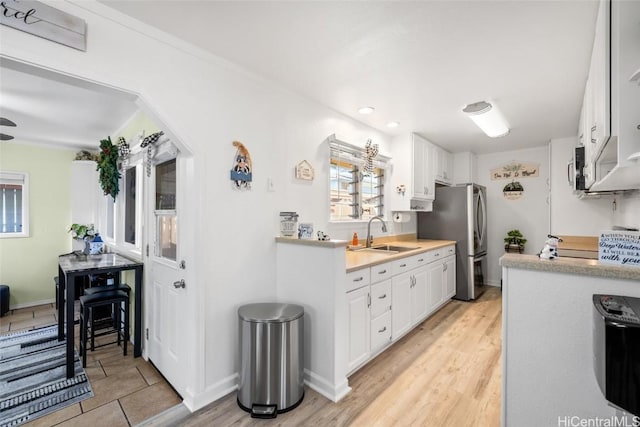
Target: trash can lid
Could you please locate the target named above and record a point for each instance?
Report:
(270, 312)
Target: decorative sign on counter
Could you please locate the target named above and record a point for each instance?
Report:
(619, 247)
(44, 21)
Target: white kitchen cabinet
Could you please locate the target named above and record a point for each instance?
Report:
(449, 277)
(443, 166)
(401, 294)
(435, 271)
(380, 315)
(358, 305)
(599, 77)
(413, 177)
(419, 308)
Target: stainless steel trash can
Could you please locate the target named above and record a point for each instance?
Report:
(271, 358)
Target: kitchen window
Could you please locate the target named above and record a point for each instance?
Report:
(14, 204)
(355, 192)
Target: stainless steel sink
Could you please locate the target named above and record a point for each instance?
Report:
(389, 249)
(393, 248)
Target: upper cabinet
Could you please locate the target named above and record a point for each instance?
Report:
(443, 166)
(412, 182)
(610, 129)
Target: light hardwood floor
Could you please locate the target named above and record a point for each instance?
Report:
(446, 372)
(126, 391)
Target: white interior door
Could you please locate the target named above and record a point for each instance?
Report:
(165, 272)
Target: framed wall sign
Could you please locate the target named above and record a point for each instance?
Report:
(304, 171)
(619, 247)
(44, 21)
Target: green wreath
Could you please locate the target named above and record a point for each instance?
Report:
(108, 168)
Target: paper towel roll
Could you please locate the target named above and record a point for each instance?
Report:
(401, 217)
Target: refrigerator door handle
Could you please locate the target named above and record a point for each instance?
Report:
(482, 208)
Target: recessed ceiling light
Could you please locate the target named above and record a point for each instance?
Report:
(393, 124)
(366, 110)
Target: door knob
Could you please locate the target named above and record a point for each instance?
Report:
(179, 284)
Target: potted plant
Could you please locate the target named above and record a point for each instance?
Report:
(514, 242)
(92, 242)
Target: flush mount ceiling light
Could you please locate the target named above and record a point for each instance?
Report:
(393, 124)
(366, 110)
(488, 118)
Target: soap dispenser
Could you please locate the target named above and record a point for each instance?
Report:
(354, 241)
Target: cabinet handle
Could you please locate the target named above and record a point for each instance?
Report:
(383, 296)
(382, 330)
(368, 300)
(444, 267)
(403, 265)
(382, 272)
(358, 279)
(437, 254)
(421, 260)
(593, 129)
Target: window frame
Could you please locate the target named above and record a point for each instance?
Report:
(24, 176)
(353, 160)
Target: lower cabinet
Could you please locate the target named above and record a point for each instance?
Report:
(406, 292)
(358, 304)
(449, 277)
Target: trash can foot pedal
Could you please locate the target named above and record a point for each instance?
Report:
(264, 411)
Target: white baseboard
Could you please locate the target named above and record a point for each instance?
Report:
(32, 304)
(212, 393)
(494, 283)
(326, 388)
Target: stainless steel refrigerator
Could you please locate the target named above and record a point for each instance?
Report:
(460, 214)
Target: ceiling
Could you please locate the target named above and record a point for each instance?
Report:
(416, 62)
(55, 110)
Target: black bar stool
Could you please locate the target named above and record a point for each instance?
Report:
(115, 313)
(99, 299)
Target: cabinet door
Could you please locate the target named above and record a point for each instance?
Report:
(447, 172)
(380, 298)
(401, 286)
(359, 326)
(423, 169)
(600, 77)
(418, 188)
(450, 277)
(435, 280)
(419, 296)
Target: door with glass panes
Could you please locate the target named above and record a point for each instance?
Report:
(165, 277)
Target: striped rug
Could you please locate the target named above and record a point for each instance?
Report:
(32, 376)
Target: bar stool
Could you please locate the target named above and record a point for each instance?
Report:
(99, 299)
(114, 314)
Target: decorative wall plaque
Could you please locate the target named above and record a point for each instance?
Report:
(44, 21)
(304, 171)
(515, 170)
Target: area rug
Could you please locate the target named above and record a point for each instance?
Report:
(33, 380)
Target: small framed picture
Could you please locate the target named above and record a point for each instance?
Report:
(305, 230)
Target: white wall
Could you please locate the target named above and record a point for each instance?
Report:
(570, 215)
(207, 103)
(529, 214)
(628, 210)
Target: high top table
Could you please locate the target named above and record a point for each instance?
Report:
(73, 265)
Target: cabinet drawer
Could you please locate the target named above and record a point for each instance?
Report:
(380, 272)
(357, 279)
(380, 332)
(404, 264)
(422, 259)
(380, 298)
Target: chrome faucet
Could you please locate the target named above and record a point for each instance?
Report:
(369, 237)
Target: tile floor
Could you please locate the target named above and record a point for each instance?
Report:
(126, 391)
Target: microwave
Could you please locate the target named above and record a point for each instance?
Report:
(575, 169)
